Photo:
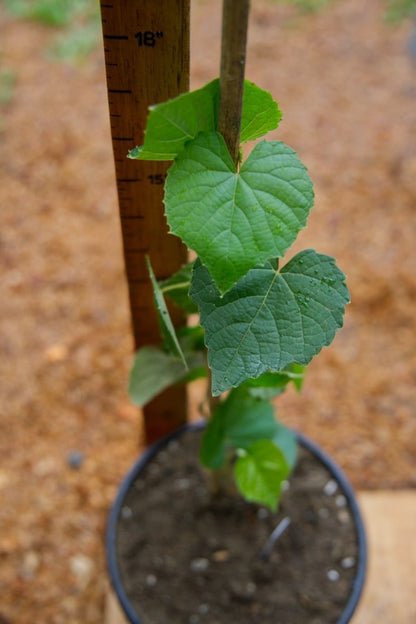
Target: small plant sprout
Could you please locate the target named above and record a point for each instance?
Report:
(261, 320)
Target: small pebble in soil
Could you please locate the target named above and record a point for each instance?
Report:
(126, 513)
(153, 469)
(331, 487)
(340, 501)
(343, 516)
(75, 459)
(203, 609)
(162, 456)
(182, 484)
(199, 565)
(82, 567)
(333, 575)
(323, 513)
(45, 467)
(285, 486)
(262, 513)
(194, 619)
(30, 565)
(348, 563)
(221, 555)
(243, 591)
(173, 446)
(151, 580)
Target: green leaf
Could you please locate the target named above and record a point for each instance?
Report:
(238, 421)
(260, 113)
(176, 121)
(285, 440)
(269, 319)
(166, 326)
(269, 385)
(177, 287)
(192, 338)
(235, 220)
(298, 375)
(213, 445)
(155, 370)
(259, 473)
(171, 124)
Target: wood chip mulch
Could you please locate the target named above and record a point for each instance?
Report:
(347, 86)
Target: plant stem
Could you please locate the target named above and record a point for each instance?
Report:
(233, 58)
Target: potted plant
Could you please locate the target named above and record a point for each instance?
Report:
(263, 527)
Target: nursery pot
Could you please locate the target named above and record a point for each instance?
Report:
(313, 573)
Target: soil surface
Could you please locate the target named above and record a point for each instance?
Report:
(347, 86)
(186, 558)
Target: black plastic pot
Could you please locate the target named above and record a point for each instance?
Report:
(325, 459)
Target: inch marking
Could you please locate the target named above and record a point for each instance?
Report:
(114, 115)
(128, 179)
(131, 217)
(116, 37)
(148, 38)
(122, 139)
(157, 178)
(111, 64)
(120, 91)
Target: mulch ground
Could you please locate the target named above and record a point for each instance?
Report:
(347, 86)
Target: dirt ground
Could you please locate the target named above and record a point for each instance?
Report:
(347, 85)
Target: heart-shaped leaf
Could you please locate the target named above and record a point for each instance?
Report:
(269, 319)
(171, 124)
(260, 471)
(235, 220)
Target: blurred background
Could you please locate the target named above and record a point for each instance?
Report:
(344, 73)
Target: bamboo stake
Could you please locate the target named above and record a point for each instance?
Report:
(233, 58)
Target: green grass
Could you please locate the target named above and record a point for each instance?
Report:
(51, 12)
(78, 21)
(7, 84)
(398, 10)
(395, 12)
(306, 6)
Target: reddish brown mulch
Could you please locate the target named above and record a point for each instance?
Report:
(347, 87)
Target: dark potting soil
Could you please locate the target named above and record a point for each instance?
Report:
(185, 559)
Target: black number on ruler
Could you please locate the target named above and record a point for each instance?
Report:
(148, 38)
(157, 178)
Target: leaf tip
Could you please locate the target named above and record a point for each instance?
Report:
(134, 153)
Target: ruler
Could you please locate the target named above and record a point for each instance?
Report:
(146, 48)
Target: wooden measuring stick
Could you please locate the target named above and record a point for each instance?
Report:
(146, 46)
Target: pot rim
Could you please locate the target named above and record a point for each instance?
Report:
(151, 451)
